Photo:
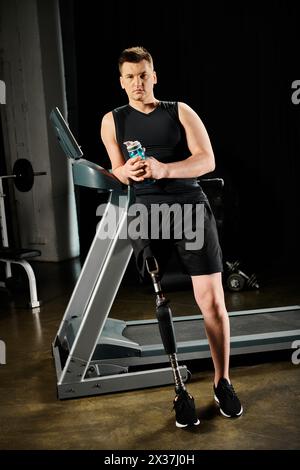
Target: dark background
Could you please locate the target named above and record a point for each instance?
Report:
(235, 69)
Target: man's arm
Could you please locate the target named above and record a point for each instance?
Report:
(123, 171)
(202, 158)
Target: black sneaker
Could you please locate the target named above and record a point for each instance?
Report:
(225, 396)
(185, 411)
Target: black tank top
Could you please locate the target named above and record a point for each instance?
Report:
(163, 136)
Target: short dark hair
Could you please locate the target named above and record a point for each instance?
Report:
(135, 55)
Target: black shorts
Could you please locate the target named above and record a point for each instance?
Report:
(194, 261)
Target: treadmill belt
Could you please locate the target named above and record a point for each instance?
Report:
(189, 330)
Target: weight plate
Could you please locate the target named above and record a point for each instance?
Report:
(235, 282)
(24, 175)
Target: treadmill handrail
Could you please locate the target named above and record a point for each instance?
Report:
(91, 175)
(85, 173)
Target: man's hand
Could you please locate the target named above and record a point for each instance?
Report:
(139, 170)
(135, 169)
(155, 169)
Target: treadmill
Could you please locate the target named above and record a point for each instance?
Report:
(95, 354)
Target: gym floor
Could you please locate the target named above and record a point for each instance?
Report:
(33, 418)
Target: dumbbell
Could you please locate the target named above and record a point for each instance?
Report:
(237, 279)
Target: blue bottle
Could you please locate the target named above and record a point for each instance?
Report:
(135, 149)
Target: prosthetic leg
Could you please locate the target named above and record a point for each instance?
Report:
(184, 402)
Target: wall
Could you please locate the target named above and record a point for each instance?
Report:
(32, 68)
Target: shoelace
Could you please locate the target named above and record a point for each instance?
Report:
(227, 387)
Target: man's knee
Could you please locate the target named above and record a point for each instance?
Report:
(210, 302)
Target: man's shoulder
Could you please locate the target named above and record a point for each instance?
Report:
(121, 109)
(169, 104)
(171, 107)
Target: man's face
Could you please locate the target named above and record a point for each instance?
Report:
(138, 80)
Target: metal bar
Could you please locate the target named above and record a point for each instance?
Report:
(109, 275)
(3, 228)
(119, 383)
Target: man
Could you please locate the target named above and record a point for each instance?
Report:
(178, 151)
